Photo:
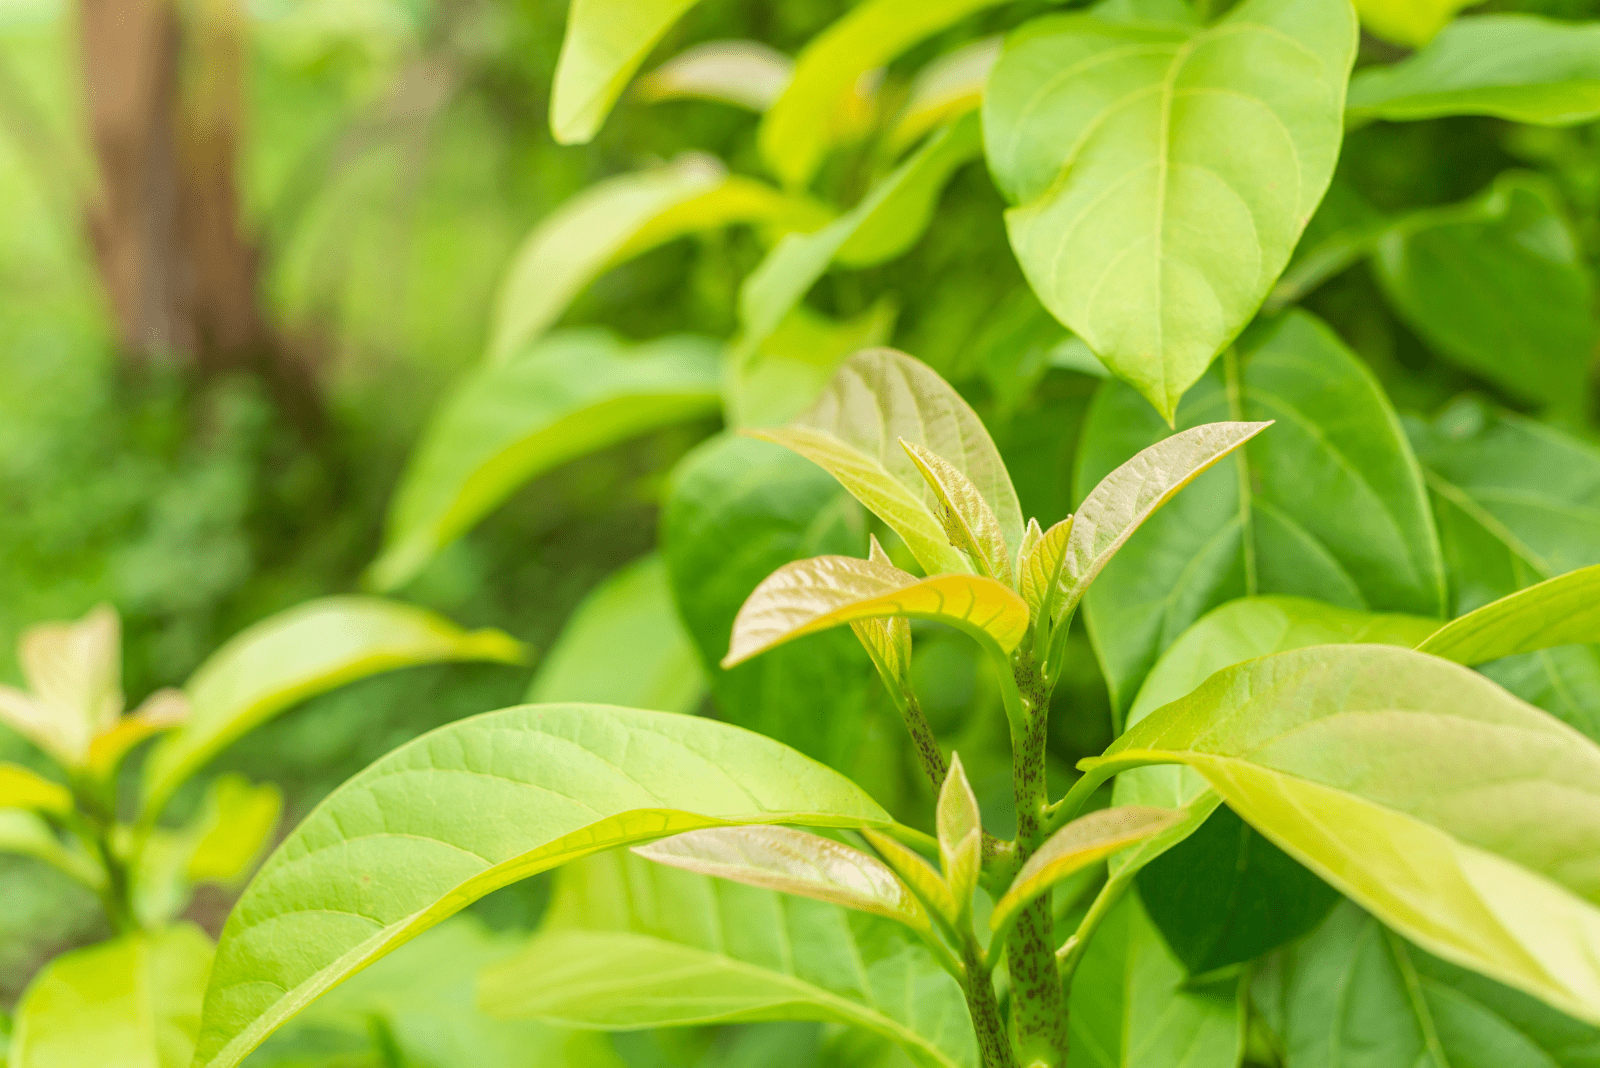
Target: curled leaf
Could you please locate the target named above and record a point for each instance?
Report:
(968, 521)
(960, 829)
(917, 873)
(1040, 570)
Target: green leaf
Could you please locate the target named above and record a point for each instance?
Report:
(605, 42)
(793, 862)
(1162, 175)
(883, 225)
(472, 807)
(886, 640)
(22, 788)
(571, 394)
(796, 362)
(131, 1001)
(615, 220)
(286, 658)
(631, 944)
(829, 591)
(1411, 23)
(1131, 1006)
(798, 131)
(1355, 993)
(1040, 568)
(1328, 505)
(1518, 67)
(1499, 287)
(943, 91)
(221, 845)
(747, 74)
(1460, 816)
(1561, 611)
(969, 523)
(926, 883)
(26, 834)
(878, 398)
(1086, 840)
(630, 619)
(960, 835)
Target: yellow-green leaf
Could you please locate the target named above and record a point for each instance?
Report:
(925, 882)
(943, 91)
(605, 42)
(969, 522)
(1407, 22)
(1040, 569)
(1564, 610)
(960, 834)
(22, 788)
(747, 74)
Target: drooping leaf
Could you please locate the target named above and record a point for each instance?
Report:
(23, 788)
(615, 220)
(969, 523)
(1462, 817)
(943, 91)
(960, 835)
(793, 862)
(571, 394)
(471, 807)
(605, 42)
(629, 620)
(133, 1001)
(877, 398)
(1412, 23)
(1329, 504)
(1514, 66)
(296, 654)
(630, 944)
(1131, 1005)
(1085, 841)
(1498, 286)
(797, 132)
(1163, 174)
(829, 591)
(1561, 611)
(1355, 992)
(747, 74)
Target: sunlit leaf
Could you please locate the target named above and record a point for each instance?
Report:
(969, 523)
(630, 620)
(960, 834)
(547, 784)
(236, 825)
(296, 654)
(571, 394)
(748, 74)
(830, 591)
(131, 1001)
(796, 362)
(925, 882)
(1162, 175)
(1561, 611)
(887, 640)
(1040, 568)
(605, 42)
(1460, 816)
(629, 944)
(794, 862)
(1085, 841)
(74, 675)
(161, 711)
(22, 788)
(943, 91)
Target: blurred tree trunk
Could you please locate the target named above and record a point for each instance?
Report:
(164, 87)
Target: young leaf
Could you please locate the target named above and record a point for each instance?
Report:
(960, 835)
(1460, 816)
(794, 862)
(629, 944)
(220, 845)
(795, 135)
(829, 591)
(471, 807)
(887, 640)
(74, 674)
(161, 711)
(1518, 67)
(571, 394)
(943, 91)
(1461, 276)
(22, 788)
(1040, 568)
(925, 882)
(297, 654)
(1163, 175)
(879, 397)
(133, 1000)
(969, 522)
(1328, 505)
(1561, 611)
(605, 42)
(747, 74)
(630, 617)
(1085, 841)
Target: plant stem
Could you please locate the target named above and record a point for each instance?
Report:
(928, 753)
(115, 894)
(993, 1045)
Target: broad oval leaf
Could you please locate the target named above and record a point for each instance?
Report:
(944, 90)
(1163, 175)
(1561, 611)
(472, 807)
(830, 591)
(878, 397)
(1085, 841)
(629, 618)
(747, 74)
(605, 42)
(1462, 817)
(794, 862)
(286, 658)
(570, 394)
(628, 944)
(21, 787)
(132, 1001)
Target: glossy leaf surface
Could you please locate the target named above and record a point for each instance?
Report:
(630, 944)
(747, 74)
(1329, 504)
(629, 620)
(571, 394)
(926, 883)
(1518, 67)
(294, 655)
(1561, 611)
(1162, 175)
(550, 784)
(605, 42)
